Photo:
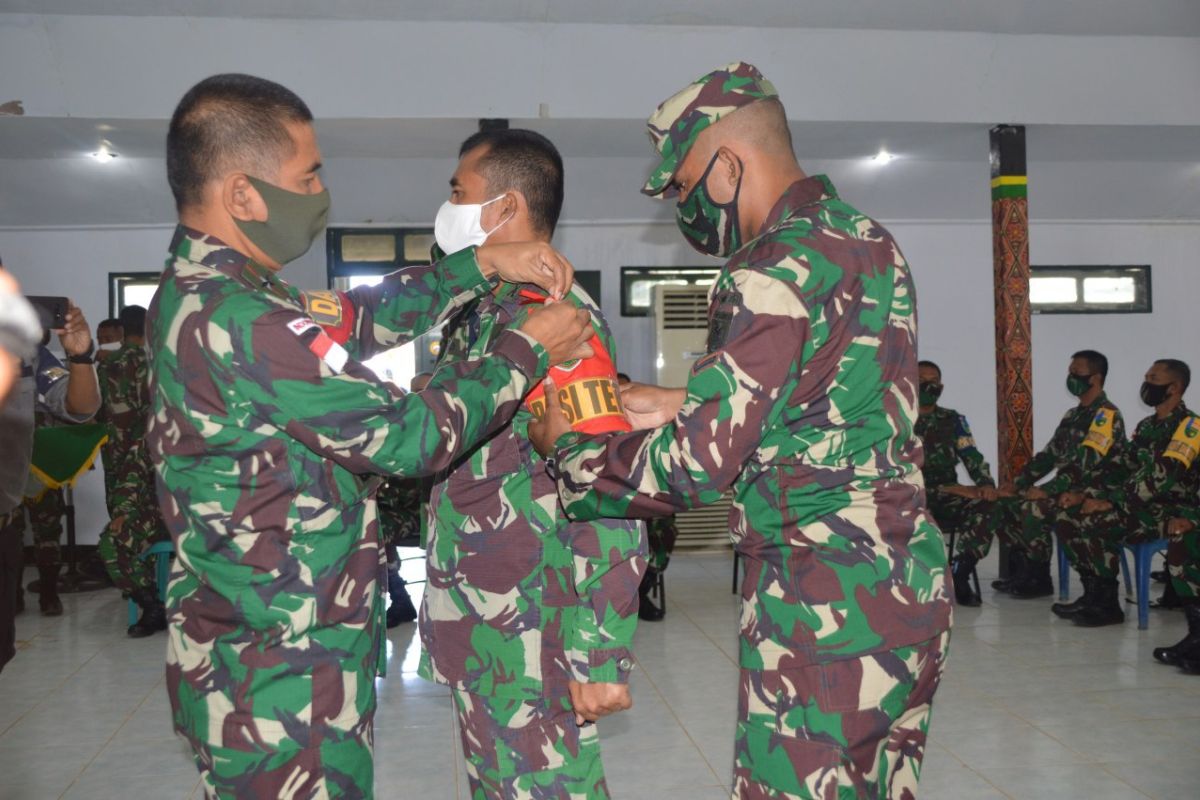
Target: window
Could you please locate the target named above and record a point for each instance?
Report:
(375, 251)
(131, 289)
(1090, 290)
(637, 284)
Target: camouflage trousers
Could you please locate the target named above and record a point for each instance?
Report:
(136, 524)
(528, 749)
(970, 519)
(46, 522)
(1183, 565)
(337, 769)
(1093, 542)
(845, 730)
(1023, 524)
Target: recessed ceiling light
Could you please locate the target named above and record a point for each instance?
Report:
(104, 156)
(882, 157)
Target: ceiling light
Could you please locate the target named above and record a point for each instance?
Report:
(882, 157)
(104, 156)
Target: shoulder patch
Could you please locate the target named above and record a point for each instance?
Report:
(301, 325)
(1099, 436)
(1185, 443)
(330, 352)
(325, 307)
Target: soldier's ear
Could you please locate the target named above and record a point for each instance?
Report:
(241, 200)
(731, 166)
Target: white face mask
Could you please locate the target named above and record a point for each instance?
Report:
(109, 346)
(457, 225)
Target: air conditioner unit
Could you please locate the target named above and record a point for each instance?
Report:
(681, 337)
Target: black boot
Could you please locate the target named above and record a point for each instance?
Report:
(1069, 610)
(1169, 599)
(1187, 648)
(961, 567)
(1017, 565)
(401, 610)
(48, 600)
(1105, 608)
(1035, 582)
(1160, 576)
(154, 615)
(646, 608)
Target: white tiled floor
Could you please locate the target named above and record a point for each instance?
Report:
(1031, 707)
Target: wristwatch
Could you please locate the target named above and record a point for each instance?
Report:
(83, 358)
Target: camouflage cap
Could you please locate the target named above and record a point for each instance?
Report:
(679, 120)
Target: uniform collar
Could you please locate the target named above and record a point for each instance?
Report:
(209, 251)
(800, 195)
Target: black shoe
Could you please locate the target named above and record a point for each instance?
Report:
(961, 567)
(1069, 610)
(1105, 608)
(647, 610)
(1187, 648)
(401, 610)
(48, 600)
(1160, 576)
(1169, 599)
(1018, 564)
(154, 615)
(1035, 582)
(1190, 666)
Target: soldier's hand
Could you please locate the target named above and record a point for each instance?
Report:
(544, 432)
(1179, 526)
(592, 701)
(527, 262)
(1034, 493)
(1092, 505)
(562, 329)
(988, 493)
(75, 336)
(649, 406)
(1070, 499)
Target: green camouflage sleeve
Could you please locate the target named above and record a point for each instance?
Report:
(1041, 464)
(968, 453)
(401, 307)
(309, 387)
(1113, 474)
(731, 395)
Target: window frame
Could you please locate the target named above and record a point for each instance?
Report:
(1143, 281)
(693, 275)
(116, 287)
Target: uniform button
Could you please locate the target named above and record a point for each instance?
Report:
(625, 664)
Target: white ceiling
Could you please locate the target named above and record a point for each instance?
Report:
(69, 137)
(1061, 17)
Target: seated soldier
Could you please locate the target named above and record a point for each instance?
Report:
(1087, 438)
(1149, 492)
(946, 439)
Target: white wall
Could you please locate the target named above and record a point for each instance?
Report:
(951, 263)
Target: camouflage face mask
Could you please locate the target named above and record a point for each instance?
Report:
(710, 227)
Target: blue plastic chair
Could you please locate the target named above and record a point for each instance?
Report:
(162, 573)
(1143, 554)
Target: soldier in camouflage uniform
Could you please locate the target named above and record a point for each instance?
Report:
(1088, 437)
(1148, 492)
(529, 618)
(946, 439)
(45, 514)
(135, 521)
(661, 533)
(804, 405)
(109, 339)
(401, 504)
(265, 434)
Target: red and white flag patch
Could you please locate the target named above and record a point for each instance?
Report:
(329, 351)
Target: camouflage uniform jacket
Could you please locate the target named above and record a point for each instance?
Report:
(520, 600)
(805, 404)
(1159, 466)
(1086, 438)
(946, 439)
(262, 433)
(125, 404)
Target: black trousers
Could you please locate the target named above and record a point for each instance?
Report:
(12, 529)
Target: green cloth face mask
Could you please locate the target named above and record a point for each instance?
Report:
(710, 227)
(293, 221)
(1078, 385)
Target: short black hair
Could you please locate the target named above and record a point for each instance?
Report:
(1178, 370)
(133, 320)
(523, 161)
(931, 365)
(1096, 361)
(229, 122)
(111, 322)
